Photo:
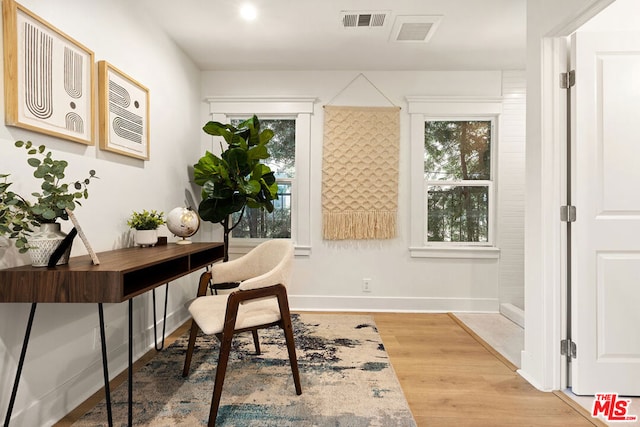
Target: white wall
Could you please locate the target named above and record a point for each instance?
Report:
(331, 277)
(511, 186)
(62, 366)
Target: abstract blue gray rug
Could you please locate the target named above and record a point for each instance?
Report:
(347, 380)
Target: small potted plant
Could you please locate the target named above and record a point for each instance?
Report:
(146, 225)
(21, 218)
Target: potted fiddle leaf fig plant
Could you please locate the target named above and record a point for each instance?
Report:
(20, 216)
(146, 225)
(236, 179)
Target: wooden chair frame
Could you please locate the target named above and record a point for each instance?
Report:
(226, 336)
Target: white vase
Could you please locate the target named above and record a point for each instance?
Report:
(44, 242)
(146, 238)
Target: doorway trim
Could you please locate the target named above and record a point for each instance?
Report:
(548, 309)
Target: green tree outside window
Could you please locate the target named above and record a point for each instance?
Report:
(457, 170)
(257, 223)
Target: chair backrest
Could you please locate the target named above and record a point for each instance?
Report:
(270, 263)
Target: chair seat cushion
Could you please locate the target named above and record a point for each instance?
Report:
(209, 311)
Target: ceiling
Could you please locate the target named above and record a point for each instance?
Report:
(309, 34)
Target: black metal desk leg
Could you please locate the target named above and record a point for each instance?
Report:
(105, 367)
(130, 415)
(164, 322)
(20, 364)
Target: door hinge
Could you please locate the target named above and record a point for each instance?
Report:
(568, 80)
(568, 348)
(567, 213)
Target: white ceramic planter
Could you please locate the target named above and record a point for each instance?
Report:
(44, 242)
(146, 238)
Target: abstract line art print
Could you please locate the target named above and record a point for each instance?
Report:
(123, 113)
(48, 77)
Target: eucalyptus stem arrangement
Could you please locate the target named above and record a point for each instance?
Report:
(19, 216)
(56, 196)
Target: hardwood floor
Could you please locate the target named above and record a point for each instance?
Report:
(450, 377)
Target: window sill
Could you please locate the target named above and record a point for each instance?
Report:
(479, 252)
(243, 246)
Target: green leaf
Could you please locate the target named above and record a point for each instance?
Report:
(49, 214)
(260, 170)
(216, 210)
(206, 168)
(258, 152)
(219, 129)
(268, 206)
(273, 191)
(266, 136)
(237, 160)
(252, 187)
(269, 178)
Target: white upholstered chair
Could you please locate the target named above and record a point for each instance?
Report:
(260, 301)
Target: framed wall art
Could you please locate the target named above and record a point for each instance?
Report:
(123, 113)
(48, 77)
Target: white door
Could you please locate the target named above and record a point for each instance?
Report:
(606, 234)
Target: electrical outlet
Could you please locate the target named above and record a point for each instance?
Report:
(366, 285)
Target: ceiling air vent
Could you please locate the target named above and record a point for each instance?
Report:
(351, 19)
(414, 28)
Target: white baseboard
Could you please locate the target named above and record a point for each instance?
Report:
(531, 380)
(513, 313)
(391, 304)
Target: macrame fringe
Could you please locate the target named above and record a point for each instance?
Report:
(356, 225)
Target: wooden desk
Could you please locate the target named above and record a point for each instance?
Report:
(121, 275)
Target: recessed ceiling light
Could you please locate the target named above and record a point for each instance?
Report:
(248, 12)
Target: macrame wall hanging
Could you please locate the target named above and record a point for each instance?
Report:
(360, 171)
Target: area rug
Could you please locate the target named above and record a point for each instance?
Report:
(347, 380)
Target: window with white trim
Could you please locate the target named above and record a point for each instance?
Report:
(258, 223)
(290, 118)
(453, 141)
(458, 180)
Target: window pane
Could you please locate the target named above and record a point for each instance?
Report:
(282, 146)
(457, 213)
(457, 150)
(260, 224)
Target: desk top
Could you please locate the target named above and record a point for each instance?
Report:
(121, 274)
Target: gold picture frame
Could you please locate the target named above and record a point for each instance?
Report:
(48, 77)
(123, 113)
